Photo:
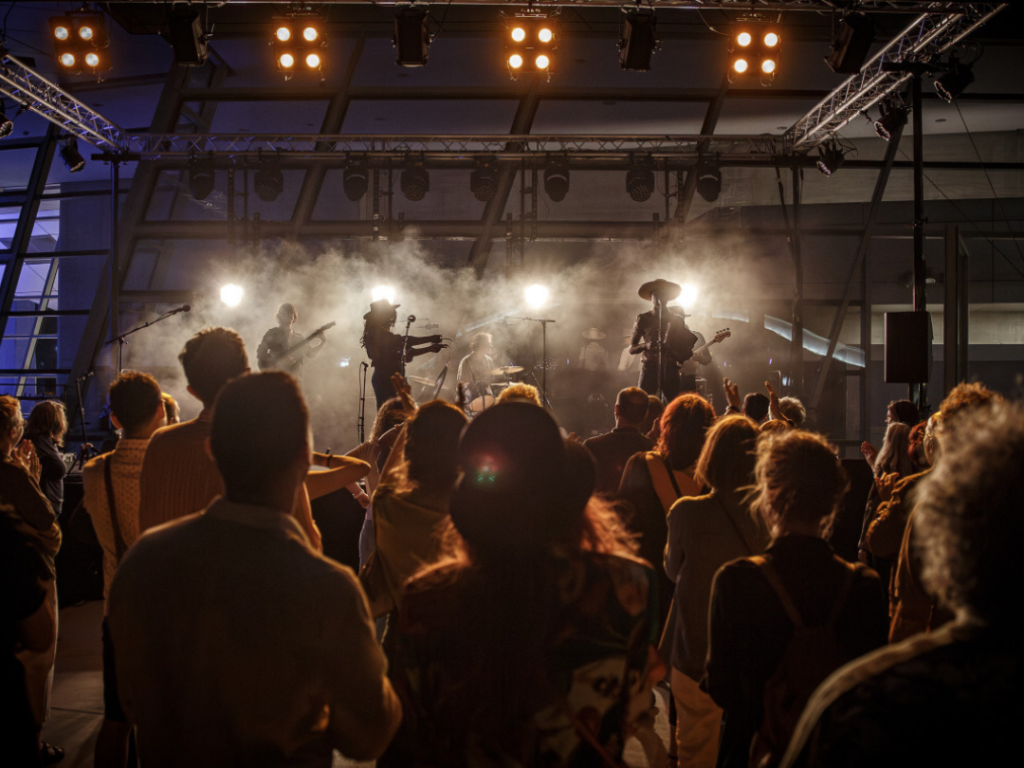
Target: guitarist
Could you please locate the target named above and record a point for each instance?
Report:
(273, 351)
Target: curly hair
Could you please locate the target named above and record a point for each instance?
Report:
(520, 392)
(964, 397)
(967, 523)
(798, 476)
(684, 425)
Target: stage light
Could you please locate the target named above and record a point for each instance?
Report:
(556, 178)
(529, 45)
(92, 60)
(743, 39)
(483, 182)
(638, 40)
(355, 178)
(85, 32)
(740, 65)
(310, 34)
(768, 66)
(268, 180)
(894, 117)
(67, 60)
(299, 37)
(640, 183)
(412, 37)
(709, 180)
(188, 37)
(688, 296)
(283, 34)
(536, 295)
(70, 155)
(6, 125)
(383, 292)
(852, 42)
(312, 61)
(954, 81)
(200, 177)
(61, 31)
(78, 38)
(231, 294)
(830, 157)
(287, 61)
(754, 49)
(771, 40)
(415, 183)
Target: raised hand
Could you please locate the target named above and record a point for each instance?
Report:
(732, 393)
(869, 452)
(26, 456)
(773, 403)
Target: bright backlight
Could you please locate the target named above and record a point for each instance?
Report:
(312, 61)
(383, 292)
(284, 34)
(771, 39)
(515, 61)
(740, 65)
(519, 34)
(309, 33)
(767, 66)
(743, 39)
(287, 60)
(545, 35)
(536, 295)
(542, 62)
(231, 294)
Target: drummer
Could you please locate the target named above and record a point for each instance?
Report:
(475, 368)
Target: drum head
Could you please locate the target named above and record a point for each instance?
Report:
(480, 404)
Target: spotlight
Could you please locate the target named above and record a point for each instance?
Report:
(709, 180)
(70, 155)
(415, 182)
(556, 178)
(268, 181)
(954, 81)
(638, 41)
(299, 37)
(200, 177)
(355, 179)
(310, 34)
(313, 60)
(830, 157)
(283, 34)
(536, 295)
(850, 47)
(285, 61)
(6, 125)
(754, 48)
(188, 38)
(640, 182)
(529, 45)
(740, 66)
(484, 180)
(231, 294)
(743, 39)
(771, 39)
(383, 292)
(688, 296)
(894, 117)
(78, 39)
(412, 37)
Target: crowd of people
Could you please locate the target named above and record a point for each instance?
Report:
(521, 594)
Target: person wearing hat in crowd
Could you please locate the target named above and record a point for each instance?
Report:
(388, 351)
(273, 351)
(676, 347)
(593, 356)
(628, 362)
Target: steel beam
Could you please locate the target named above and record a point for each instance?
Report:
(815, 6)
(707, 128)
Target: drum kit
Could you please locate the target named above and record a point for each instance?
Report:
(481, 395)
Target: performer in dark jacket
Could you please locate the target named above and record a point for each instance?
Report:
(275, 351)
(389, 352)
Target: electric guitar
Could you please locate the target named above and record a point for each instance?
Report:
(721, 335)
(271, 360)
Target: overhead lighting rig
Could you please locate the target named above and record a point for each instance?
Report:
(638, 39)
(954, 81)
(69, 153)
(893, 117)
(299, 42)
(830, 156)
(6, 124)
(415, 182)
(709, 179)
(188, 36)
(355, 179)
(200, 177)
(268, 180)
(754, 50)
(556, 178)
(412, 36)
(483, 181)
(854, 36)
(640, 179)
(80, 42)
(530, 45)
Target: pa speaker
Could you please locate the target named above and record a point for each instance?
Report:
(908, 347)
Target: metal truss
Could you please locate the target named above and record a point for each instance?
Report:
(926, 38)
(34, 92)
(432, 147)
(746, 6)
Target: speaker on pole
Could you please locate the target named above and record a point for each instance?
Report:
(908, 347)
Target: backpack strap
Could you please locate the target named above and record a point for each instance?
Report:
(772, 577)
(119, 545)
(663, 480)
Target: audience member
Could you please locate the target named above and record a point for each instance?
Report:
(236, 643)
(46, 427)
(19, 489)
(172, 411)
(951, 697)
(519, 393)
(888, 466)
(652, 422)
(793, 410)
(111, 484)
(653, 481)
(755, 407)
(612, 450)
(533, 647)
(704, 533)
(916, 447)
(779, 624)
(898, 412)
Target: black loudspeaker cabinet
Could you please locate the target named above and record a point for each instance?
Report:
(908, 347)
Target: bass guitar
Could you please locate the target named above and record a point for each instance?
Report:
(271, 360)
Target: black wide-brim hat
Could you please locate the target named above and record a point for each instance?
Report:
(380, 307)
(663, 289)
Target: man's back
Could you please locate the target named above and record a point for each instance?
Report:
(178, 477)
(237, 645)
(611, 451)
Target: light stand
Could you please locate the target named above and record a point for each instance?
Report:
(544, 352)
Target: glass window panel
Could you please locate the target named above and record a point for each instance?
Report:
(8, 223)
(16, 167)
(269, 117)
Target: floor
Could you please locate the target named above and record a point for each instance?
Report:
(76, 710)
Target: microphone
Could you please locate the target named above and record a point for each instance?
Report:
(411, 319)
(182, 308)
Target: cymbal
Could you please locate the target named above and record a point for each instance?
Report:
(661, 289)
(506, 370)
(421, 380)
(592, 334)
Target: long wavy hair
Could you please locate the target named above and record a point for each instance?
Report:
(684, 425)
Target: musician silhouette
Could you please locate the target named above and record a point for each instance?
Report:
(389, 352)
(284, 348)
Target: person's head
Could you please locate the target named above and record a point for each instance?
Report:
(755, 405)
(481, 343)
(389, 415)
(432, 439)
(511, 496)
(382, 314)
(773, 426)
(799, 481)
(962, 400)
(519, 393)
(12, 424)
(286, 315)
(968, 523)
(903, 411)
(211, 359)
(262, 460)
(589, 522)
(49, 418)
(172, 412)
(894, 455)
(915, 449)
(793, 410)
(684, 425)
(136, 404)
(654, 410)
(631, 407)
(727, 460)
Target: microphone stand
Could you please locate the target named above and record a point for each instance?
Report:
(83, 453)
(544, 352)
(361, 421)
(122, 339)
